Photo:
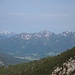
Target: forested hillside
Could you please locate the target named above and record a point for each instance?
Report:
(45, 66)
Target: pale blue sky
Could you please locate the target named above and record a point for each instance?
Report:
(37, 15)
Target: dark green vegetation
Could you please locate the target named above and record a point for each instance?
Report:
(44, 66)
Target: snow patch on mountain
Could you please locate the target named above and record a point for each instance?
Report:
(5, 32)
(66, 33)
(28, 36)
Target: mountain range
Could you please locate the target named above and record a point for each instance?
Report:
(33, 46)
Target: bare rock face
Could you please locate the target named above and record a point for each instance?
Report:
(1, 63)
(67, 69)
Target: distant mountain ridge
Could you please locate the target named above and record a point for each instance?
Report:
(28, 36)
(43, 33)
(36, 45)
(6, 34)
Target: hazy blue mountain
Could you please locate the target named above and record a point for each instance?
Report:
(33, 46)
(6, 34)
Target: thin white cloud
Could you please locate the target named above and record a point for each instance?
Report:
(43, 15)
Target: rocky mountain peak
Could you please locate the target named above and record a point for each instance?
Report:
(6, 34)
(28, 36)
(66, 33)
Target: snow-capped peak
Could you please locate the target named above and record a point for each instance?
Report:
(46, 33)
(6, 32)
(28, 36)
(66, 33)
(25, 36)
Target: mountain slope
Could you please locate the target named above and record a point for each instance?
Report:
(49, 64)
(45, 66)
